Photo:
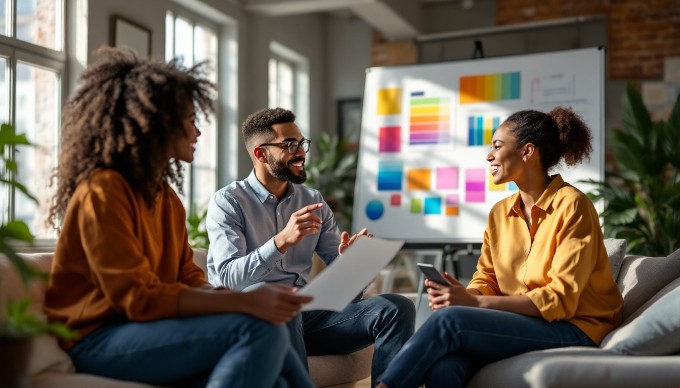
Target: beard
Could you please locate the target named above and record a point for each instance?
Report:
(281, 171)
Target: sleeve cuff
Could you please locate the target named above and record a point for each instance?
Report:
(270, 253)
(539, 299)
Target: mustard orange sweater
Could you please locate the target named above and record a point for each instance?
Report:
(117, 258)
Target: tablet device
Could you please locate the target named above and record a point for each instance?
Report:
(431, 273)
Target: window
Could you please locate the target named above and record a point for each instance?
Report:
(289, 83)
(196, 40)
(32, 62)
(281, 83)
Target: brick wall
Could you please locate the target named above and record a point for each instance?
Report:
(641, 33)
(386, 53)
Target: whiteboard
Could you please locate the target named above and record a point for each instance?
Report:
(426, 130)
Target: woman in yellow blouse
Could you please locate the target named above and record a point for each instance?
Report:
(123, 274)
(543, 278)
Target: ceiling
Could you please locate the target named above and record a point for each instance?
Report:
(395, 19)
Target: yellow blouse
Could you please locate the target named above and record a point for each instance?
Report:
(560, 263)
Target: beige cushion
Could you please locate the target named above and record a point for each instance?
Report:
(653, 330)
(616, 250)
(46, 355)
(641, 277)
(80, 380)
(201, 260)
(334, 370)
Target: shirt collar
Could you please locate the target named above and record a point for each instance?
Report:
(261, 192)
(546, 198)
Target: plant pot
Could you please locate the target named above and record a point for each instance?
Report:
(14, 362)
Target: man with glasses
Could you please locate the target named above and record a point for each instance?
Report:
(266, 228)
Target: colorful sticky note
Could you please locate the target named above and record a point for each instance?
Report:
(389, 174)
(447, 178)
(474, 185)
(389, 101)
(389, 139)
(418, 179)
(433, 205)
(416, 205)
(395, 200)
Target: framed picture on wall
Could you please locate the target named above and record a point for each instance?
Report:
(349, 118)
(127, 33)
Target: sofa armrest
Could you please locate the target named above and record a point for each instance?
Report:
(336, 370)
(605, 371)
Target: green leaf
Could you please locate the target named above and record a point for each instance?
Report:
(17, 230)
(674, 117)
(21, 322)
(196, 230)
(642, 191)
(636, 119)
(9, 138)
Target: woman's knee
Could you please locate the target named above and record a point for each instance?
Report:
(454, 318)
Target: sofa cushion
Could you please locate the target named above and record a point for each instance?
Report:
(616, 250)
(80, 380)
(641, 277)
(653, 330)
(604, 370)
(512, 372)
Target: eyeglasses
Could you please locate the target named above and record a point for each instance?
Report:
(292, 145)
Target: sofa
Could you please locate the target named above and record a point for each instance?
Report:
(50, 366)
(644, 351)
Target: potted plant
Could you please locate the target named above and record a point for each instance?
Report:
(18, 323)
(642, 194)
(198, 234)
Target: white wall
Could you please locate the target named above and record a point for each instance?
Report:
(305, 34)
(348, 55)
(148, 13)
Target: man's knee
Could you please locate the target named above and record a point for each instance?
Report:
(401, 306)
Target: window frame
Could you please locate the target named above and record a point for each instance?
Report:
(196, 19)
(301, 84)
(17, 51)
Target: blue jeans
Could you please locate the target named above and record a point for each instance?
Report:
(455, 342)
(386, 320)
(225, 350)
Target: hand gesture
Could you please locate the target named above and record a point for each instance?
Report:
(440, 296)
(346, 241)
(301, 224)
(275, 303)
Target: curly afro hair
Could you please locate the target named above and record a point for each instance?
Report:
(125, 116)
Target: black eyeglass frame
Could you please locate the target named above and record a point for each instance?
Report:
(292, 145)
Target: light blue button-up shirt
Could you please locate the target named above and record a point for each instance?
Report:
(243, 219)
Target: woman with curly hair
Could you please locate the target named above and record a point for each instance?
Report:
(123, 274)
(543, 278)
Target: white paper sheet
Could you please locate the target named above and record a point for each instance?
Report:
(336, 286)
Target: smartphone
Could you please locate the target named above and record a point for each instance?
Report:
(431, 273)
